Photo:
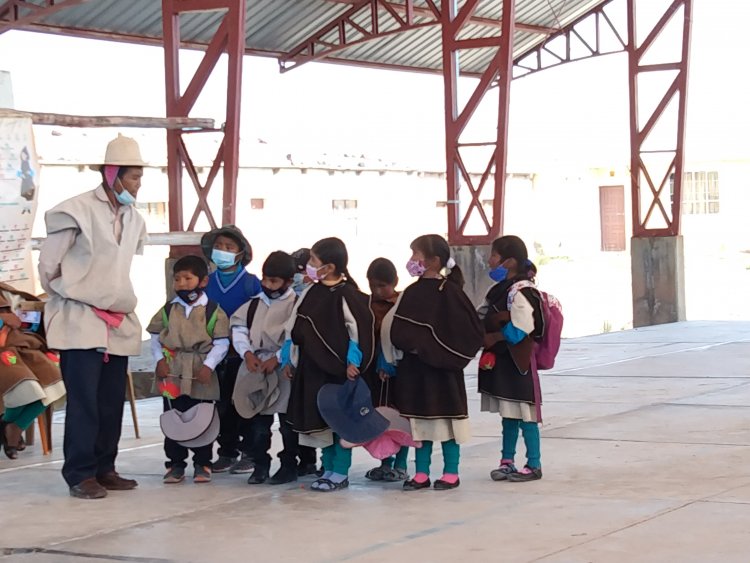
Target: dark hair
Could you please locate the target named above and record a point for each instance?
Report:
(279, 265)
(511, 246)
(193, 264)
(332, 250)
(301, 258)
(435, 246)
(382, 270)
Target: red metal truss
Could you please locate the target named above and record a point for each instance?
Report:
(581, 39)
(656, 211)
(364, 21)
(229, 38)
(367, 20)
(15, 14)
(468, 222)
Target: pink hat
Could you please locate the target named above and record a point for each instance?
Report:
(397, 434)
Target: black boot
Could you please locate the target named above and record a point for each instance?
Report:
(285, 474)
(260, 475)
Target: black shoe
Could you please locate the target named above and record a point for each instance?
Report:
(307, 469)
(441, 485)
(223, 464)
(526, 474)
(259, 476)
(286, 474)
(412, 485)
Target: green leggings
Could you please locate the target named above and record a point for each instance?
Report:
(336, 458)
(399, 460)
(451, 456)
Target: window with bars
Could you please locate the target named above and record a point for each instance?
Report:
(344, 205)
(700, 192)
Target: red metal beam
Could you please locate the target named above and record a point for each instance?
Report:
(644, 223)
(15, 14)
(483, 230)
(433, 11)
(229, 38)
(532, 60)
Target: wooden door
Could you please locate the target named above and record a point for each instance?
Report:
(612, 214)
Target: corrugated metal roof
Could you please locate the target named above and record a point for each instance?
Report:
(278, 26)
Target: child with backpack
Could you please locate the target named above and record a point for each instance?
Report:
(513, 319)
(231, 286)
(189, 338)
(258, 333)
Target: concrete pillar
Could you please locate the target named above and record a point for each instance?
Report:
(658, 271)
(473, 263)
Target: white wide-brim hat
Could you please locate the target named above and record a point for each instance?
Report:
(122, 151)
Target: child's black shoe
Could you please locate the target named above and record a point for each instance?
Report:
(307, 469)
(286, 474)
(259, 476)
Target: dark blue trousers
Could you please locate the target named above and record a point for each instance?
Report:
(93, 414)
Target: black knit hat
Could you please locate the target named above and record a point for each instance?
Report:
(208, 240)
(279, 265)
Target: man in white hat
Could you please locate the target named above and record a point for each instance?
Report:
(90, 318)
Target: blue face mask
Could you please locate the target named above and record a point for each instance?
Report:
(223, 259)
(299, 285)
(499, 274)
(125, 197)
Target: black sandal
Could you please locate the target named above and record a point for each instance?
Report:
(331, 486)
(11, 452)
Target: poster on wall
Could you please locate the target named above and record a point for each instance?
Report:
(19, 186)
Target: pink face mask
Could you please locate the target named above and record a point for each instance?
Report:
(312, 273)
(415, 268)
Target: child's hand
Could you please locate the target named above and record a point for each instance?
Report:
(269, 365)
(252, 362)
(352, 372)
(287, 372)
(383, 376)
(11, 319)
(204, 375)
(162, 369)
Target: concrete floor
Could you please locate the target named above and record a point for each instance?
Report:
(646, 453)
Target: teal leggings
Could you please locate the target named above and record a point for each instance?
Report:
(399, 460)
(530, 431)
(451, 456)
(336, 458)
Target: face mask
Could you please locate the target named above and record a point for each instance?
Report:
(299, 285)
(499, 274)
(415, 268)
(223, 259)
(312, 272)
(273, 293)
(189, 296)
(125, 197)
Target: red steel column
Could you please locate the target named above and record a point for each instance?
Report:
(639, 133)
(229, 38)
(236, 50)
(503, 116)
(171, 30)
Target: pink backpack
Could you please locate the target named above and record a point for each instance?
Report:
(548, 345)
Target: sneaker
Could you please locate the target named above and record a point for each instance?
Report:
(526, 474)
(307, 469)
(202, 475)
(174, 475)
(244, 465)
(285, 474)
(223, 464)
(502, 472)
